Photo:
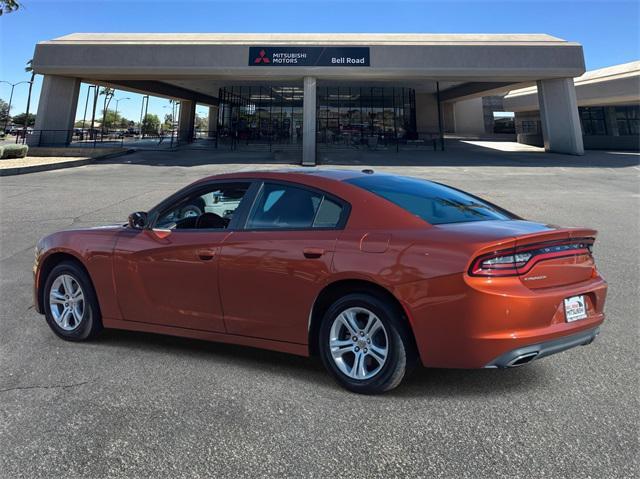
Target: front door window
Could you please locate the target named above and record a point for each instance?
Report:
(212, 207)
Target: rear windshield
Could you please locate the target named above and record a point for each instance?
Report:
(436, 204)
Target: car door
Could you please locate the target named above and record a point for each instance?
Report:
(272, 270)
(167, 274)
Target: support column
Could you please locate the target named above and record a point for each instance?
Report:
(56, 111)
(213, 121)
(309, 122)
(559, 116)
(186, 121)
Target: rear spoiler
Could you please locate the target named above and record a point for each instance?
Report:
(518, 254)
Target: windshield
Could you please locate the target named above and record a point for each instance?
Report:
(434, 203)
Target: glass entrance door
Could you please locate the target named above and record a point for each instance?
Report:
(357, 116)
(260, 114)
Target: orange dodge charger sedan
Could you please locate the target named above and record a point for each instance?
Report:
(372, 272)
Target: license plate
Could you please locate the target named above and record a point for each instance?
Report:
(575, 308)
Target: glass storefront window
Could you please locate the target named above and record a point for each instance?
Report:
(592, 120)
(628, 120)
(265, 114)
(354, 116)
(529, 127)
(348, 116)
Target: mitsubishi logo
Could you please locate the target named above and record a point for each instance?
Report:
(262, 58)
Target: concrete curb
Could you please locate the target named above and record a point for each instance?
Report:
(22, 170)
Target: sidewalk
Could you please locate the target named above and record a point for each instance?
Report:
(37, 162)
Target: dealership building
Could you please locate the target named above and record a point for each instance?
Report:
(317, 89)
(608, 106)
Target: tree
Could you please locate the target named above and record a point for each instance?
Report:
(114, 120)
(202, 123)
(8, 6)
(124, 123)
(168, 122)
(111, 119)
(107, 92)
(4, 111)
(108, 95)
(150, 124)
(20, 119)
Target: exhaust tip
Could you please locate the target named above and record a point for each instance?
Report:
(522, 360)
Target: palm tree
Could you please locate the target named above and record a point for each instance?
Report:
(8, 6)
(108, 95)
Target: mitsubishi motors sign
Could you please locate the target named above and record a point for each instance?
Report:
(309, 56)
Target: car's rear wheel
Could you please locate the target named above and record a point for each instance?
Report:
(365, 345)
(70, 303)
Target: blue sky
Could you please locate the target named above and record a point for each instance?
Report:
(608, 30)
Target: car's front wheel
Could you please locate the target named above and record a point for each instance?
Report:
(70, 303)
(365, 345)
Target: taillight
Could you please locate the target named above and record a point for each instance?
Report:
(516, 261)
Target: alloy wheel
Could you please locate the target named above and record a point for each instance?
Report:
(66, 302)
(359, 343)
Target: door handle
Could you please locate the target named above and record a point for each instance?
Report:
(312, 252)
(206, 254)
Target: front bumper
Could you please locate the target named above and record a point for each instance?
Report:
(36, 287)
(526, 354)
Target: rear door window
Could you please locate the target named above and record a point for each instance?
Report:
(328, 214)
(281, 206)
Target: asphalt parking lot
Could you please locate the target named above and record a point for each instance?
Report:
(141, 405)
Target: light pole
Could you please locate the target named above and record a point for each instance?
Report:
(92, 134)
(118, 100)
(174, 112)
(13, 85)
(146, 111)
(145, 100)
(26, 121)
(86, 104)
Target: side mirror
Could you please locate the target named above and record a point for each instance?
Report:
(138, 220)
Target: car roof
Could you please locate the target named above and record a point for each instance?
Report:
(292, 174)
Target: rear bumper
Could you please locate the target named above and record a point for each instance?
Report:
(461, 325)
(526, 354)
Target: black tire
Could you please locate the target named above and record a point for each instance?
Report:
(90, 324)
(401, 356)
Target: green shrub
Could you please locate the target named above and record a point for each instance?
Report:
(1, 151)
(14, 151)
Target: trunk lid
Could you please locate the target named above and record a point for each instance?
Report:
(560, 257)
